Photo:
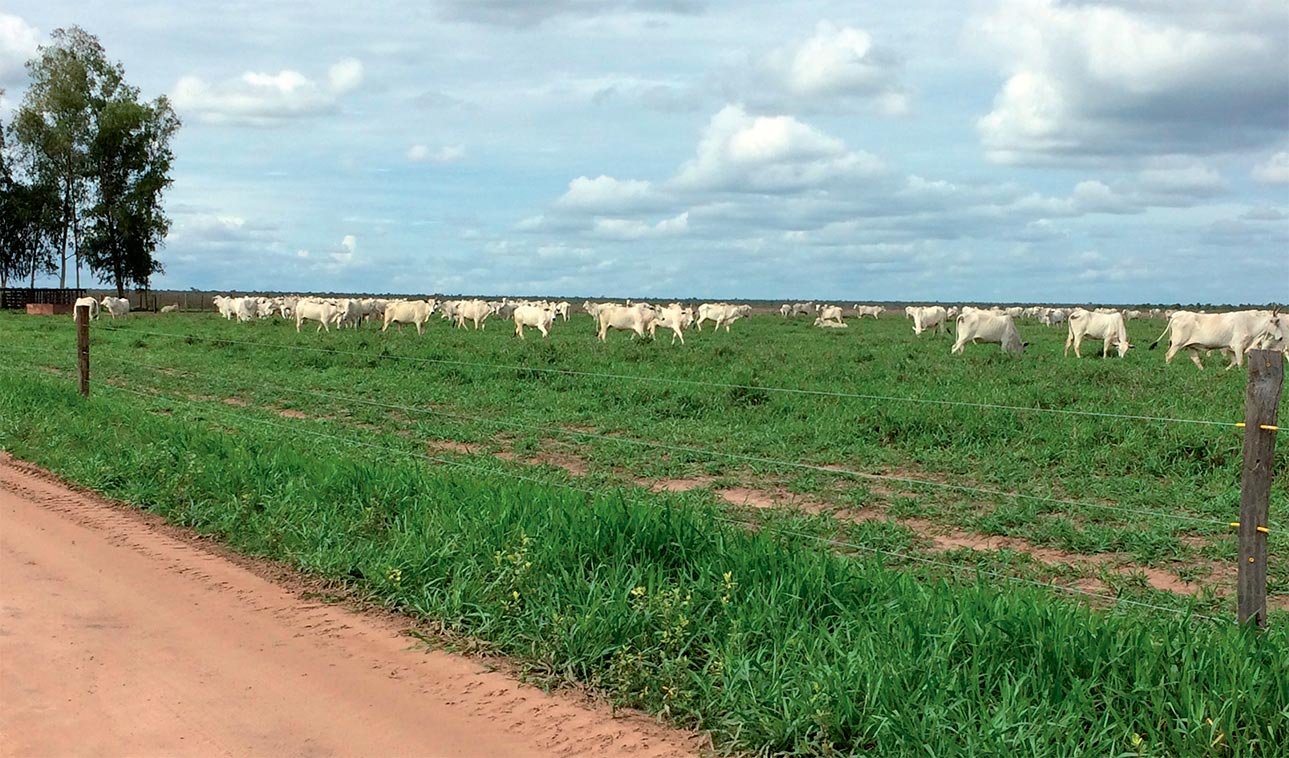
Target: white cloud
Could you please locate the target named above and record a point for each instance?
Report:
(1273, 170)
(838, 62)
(266, 99)
(744, 153)
(345, 75)
(631, 229)
(604, 194)
(18, 43)
(444, 154)
(1095, 80)
(348, 248)
(1192, 179)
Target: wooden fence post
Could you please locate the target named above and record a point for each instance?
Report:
(1261, 406)
(83, 348)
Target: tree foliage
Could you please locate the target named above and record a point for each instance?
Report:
(29, 222)
(82, 132)
(129, 162)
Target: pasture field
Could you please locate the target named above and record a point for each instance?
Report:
(804, 571)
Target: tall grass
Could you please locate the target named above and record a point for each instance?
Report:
(772, 646)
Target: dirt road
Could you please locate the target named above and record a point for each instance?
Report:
(120, 637)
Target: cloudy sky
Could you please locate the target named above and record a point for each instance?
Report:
(1012, 150)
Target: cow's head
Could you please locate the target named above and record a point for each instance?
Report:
(1275, 336)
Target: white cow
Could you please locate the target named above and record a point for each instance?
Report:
(675, 318)
(820, 322)
(633, 318)
(315, 310)
(869, 310)
(832, 313)
(1232, 333)
(416, 312)
(474, 311)
(116, 306)
(246, 309)
(536, 316)
(983, 326)
(927, 317)
(785, 310)
(561, 309)
(88, 301)
(1107, 327)
(1275, 336)
(804, 309)
(170, 308)
(723, 314)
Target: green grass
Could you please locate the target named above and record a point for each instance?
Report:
(769, 639)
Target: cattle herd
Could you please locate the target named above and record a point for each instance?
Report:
(1233, 333)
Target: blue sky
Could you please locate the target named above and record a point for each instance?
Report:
(1010, 150)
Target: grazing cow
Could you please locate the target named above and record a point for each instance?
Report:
(539, 317)
(830, 313)
(315, 310)
(785, 310)
(1232, 333)
(983, 326)
(416, 312)
(930, 316)
(246, 309)
(633, 318)
(116, 306)
(474, 311)
(1015, 312)
(89, 301)
(675, 318)
(1107, 327)
(170, 308)
(723, 314)
(225, 305)
(1054, 316)
(820, 322)
(804, 309)
(1275, 336)
(869, 310)
(348, 311)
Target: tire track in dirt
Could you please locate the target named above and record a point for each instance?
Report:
(119, 636)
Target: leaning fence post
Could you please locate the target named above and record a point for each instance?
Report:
(1261, 406)
(83, 348)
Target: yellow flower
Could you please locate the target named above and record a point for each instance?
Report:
(638, 591)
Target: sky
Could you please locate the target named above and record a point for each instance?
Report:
(990, 150)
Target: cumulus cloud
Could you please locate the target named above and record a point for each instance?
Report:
(632, 229)
(773, 154)
(441, 155)
(838, 62)
(348, 248)
(1094, 81)
(1273, 170)
(604, 194)
(18, 44)
(266, 99)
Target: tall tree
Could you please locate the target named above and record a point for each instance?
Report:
(71, 80)
(28, 222)
(129, 164)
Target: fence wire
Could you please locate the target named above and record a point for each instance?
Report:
(779, 532)
(688, 382)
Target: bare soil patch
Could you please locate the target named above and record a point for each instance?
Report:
(123, 636)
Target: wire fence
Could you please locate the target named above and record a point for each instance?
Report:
(778, 531)
(617, 439)
(687, 382)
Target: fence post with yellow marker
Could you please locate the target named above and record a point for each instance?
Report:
(1261, 406)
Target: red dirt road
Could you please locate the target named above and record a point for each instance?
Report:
(122, 638)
